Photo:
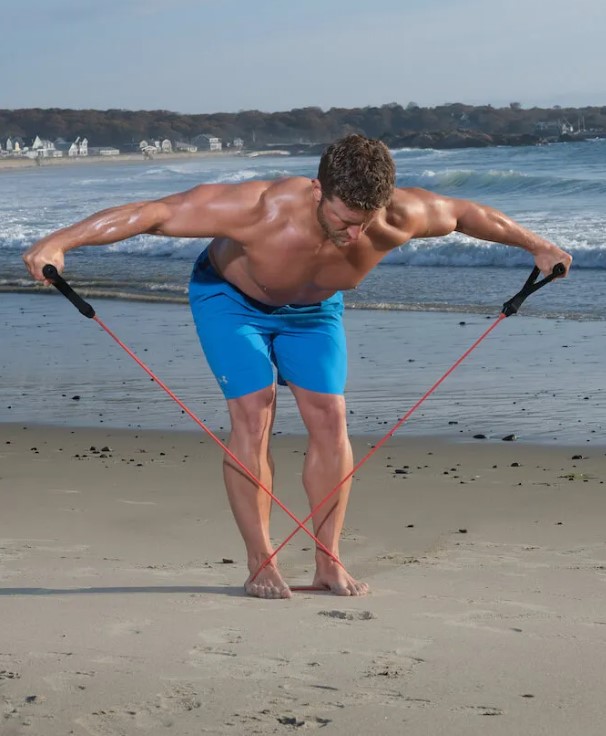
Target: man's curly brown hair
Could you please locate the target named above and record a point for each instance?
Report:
(358, 170)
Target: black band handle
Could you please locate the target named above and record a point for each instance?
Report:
(511, 307)
(51, 273)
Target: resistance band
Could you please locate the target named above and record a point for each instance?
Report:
(509, 307)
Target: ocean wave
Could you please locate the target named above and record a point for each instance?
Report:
(456, 250)
(160, 247)
(462, 252)
(503, 182)
(235, 177)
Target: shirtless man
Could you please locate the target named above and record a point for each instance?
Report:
(267, 291)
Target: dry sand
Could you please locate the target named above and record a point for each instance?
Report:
(123, 612)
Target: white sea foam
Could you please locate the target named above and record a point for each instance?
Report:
(558, 191)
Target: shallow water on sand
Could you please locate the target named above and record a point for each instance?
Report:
(540, 379)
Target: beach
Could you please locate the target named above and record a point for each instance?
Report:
(123, 610)
(122, 568)
(478, 525)
(11, 163)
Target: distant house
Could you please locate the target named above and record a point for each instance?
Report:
(207, 142)
(103, 151)
(15, 144)
(78, 148)
(185, 147)
(166, 146)
(41, 148)
(238, 144)
(554, 127)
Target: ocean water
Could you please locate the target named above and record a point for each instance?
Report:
(539, 375)
(557, 190)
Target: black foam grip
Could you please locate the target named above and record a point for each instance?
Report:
(51, 273)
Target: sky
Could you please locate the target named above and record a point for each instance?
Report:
(205, 56)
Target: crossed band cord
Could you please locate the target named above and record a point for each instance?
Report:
(510, 307)
(300, 523)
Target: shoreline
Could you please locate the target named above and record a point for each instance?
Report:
(367, 439)
(471, 310)
(7, 163)
(430, 141)
(85, 379)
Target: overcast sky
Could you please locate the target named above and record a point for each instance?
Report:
(202, 56)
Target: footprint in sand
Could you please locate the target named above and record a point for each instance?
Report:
(147, 716)
(348, 615)
(269, 720)
(216, 643)
(222, 635)
(482, 710)
(388, 668)
(69, 681)
(9, 675)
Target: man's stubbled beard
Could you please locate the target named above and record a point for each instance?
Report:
(337, 237)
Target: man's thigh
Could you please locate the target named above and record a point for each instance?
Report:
(237, 349)
(312, 354)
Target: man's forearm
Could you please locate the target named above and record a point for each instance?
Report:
(487, 223)
(107, 226)
(102, 228)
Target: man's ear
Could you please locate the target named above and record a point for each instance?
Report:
(316, 190)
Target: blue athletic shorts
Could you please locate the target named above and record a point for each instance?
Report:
(244, 339)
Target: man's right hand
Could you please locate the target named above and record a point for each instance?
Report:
(41, 254)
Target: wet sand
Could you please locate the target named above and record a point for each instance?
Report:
(540, 379)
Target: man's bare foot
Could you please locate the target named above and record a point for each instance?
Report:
(267, 584)
(335, 578)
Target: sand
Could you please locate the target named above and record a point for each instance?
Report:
(23, 162)
(123, 611)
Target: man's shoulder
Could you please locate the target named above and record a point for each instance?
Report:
(408, 201)
(408, 212)
(403, 195)
(289, 184)
(287, 192)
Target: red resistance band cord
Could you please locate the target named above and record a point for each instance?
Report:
(377, 446)
(510, 307)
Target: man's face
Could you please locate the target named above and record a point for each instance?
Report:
(340, 224)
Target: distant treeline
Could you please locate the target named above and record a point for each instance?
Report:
(309, 125)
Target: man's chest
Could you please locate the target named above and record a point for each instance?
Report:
(325, 266)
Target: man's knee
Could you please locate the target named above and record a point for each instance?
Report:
(324, 416)
(252, 415)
